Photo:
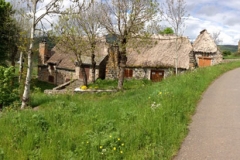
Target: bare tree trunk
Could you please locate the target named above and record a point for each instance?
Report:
(93, 68)
(123, 60)
(13, 55)
(176, 56)
(26, 93)
(20, 67)
(84, 75)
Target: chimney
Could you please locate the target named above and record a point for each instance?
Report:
(43, 52)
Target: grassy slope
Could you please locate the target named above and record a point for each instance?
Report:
(145, 123)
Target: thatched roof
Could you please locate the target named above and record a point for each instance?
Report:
(204, 43)
(162, 53)
(66, 59)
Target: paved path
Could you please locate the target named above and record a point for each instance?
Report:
(215, 129)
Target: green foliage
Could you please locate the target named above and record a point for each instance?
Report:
(167, 30)
(40, 86)
(8, 33)
(111, 84)
(8, 93)
(149, 122)
(226, 53)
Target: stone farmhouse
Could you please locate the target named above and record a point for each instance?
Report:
(154, 61)
(58, 67)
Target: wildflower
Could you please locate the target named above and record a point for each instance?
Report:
(87, 142)
(110, 136)
(155, 106)
(122, 144)
(160, 93)
(121, 152)
(100, 147)
(104, 150)
(119, 139)
(114, 148)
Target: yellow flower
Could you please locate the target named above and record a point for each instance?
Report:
(160, 93)
(122, 144)
(121, 152)
(87, 142)
(114, 148)
(119, 139)
(100, 147)
(110, 136)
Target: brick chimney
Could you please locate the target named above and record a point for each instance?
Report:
(43, 52)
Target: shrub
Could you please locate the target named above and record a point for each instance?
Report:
(8, 92)
(226, 53)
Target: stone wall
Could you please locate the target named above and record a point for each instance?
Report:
(140, 73)
(192, 61)
(59, 76)
(63, 76)
(43, 73)
(145, 73)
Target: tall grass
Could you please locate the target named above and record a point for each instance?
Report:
(145, 123)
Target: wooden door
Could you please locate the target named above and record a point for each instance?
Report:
(204, 61)
(87, 73)
(157, 75)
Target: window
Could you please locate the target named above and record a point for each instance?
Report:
(128, 73)
(51, 79)
(51, 67)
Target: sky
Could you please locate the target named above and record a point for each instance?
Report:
(214, 16)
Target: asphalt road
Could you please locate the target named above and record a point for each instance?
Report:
(215, 129)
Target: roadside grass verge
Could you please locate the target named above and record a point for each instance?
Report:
(149, 122)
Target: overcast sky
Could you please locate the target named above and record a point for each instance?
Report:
(214, 15)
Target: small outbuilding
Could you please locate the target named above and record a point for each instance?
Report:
(206, 51)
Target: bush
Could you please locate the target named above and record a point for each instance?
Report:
(8, 92)
(226, 53)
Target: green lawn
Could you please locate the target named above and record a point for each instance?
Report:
(146, 121)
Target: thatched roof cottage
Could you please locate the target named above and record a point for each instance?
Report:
(205, 50)
(159, 60)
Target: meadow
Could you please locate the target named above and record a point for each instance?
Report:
(145, 121)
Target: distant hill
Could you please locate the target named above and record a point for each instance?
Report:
(232, 48)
